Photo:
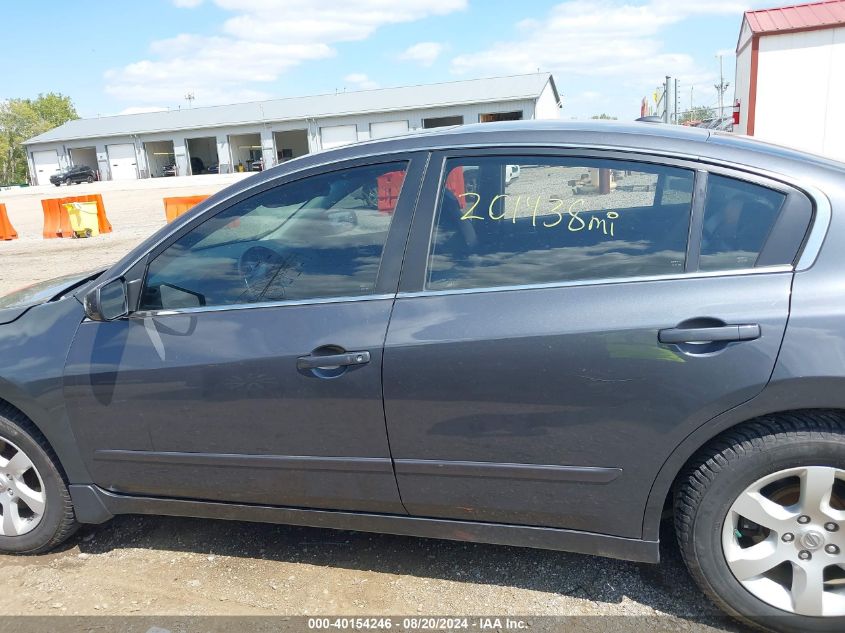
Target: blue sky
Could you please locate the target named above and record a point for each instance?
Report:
(113, 57)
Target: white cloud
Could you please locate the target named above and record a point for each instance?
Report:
(615, 42)
(262, 40)
(424, 53)
(187, 4)
(361, 81)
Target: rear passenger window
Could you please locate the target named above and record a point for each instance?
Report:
(506, 221)
(738, 217)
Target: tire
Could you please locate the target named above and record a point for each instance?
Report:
(57, 521)
(68, 182)
(771, 459)
(90, 179)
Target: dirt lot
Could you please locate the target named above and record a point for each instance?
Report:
(135, 210)
(182, 567)
(168, 566)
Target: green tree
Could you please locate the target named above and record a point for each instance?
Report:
(698, 113)
(20, 120)
(603, 117)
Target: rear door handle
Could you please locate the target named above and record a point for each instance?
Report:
(332, 360)
(724, 333)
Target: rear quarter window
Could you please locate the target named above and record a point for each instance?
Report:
(739, 216)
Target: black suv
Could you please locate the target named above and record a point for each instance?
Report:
(73, 175)
(401, 336)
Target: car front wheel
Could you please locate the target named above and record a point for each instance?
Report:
(760, 520)
(36, 513)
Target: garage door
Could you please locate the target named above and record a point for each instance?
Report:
(388, 128)
(46, 164)
(337, 135)
(122, 161)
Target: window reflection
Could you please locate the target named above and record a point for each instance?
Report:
(318, 237)
(508, 221)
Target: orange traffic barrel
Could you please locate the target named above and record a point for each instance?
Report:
(7, 231)
(389, 186)
(455, 184)
(57, 221)
(174, 207)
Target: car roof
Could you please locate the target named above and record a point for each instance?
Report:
(655, 138)
(706, 144)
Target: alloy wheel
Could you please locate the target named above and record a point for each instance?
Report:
(784, 540)
(23, 497)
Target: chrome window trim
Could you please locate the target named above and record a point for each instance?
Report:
(257, 306)
(809, 254)
(818, 232)
(601, 282)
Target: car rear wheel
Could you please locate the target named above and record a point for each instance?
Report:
(90, 179)
(36, 513)
(760, 520)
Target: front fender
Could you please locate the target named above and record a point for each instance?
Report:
(33, 349)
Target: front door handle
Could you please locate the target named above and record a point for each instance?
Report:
(329, 361)
(720, 333)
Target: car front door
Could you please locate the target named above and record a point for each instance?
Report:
(559, 330)
(250, 370)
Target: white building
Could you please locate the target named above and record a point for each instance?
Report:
(790, 76)
(236, 137)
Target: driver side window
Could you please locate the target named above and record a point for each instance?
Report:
(317, 237)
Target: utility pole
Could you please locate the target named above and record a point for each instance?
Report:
(721, 88)
(189, 97)
(666, 87)
(677, 102)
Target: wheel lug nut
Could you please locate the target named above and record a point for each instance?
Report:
(803, 519)
(831, 549)
(804, 555)
(831, 526)
(788, 537)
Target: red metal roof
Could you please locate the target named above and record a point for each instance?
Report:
(798, 17)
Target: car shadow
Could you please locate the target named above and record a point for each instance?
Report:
(665, 588)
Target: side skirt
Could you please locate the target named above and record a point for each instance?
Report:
(95, 505)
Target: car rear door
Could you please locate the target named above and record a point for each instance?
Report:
(561, 326)
(251, 369)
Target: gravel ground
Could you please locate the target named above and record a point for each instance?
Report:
(135, 210)
(151, 566)
(171, 566)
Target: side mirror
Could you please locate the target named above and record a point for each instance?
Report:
(107, 302)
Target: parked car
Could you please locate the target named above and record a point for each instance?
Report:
(552, 369)
(169, 170)
(73, 175)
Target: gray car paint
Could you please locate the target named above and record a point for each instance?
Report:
(215, 402)
(568, 376)
(649, 448)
